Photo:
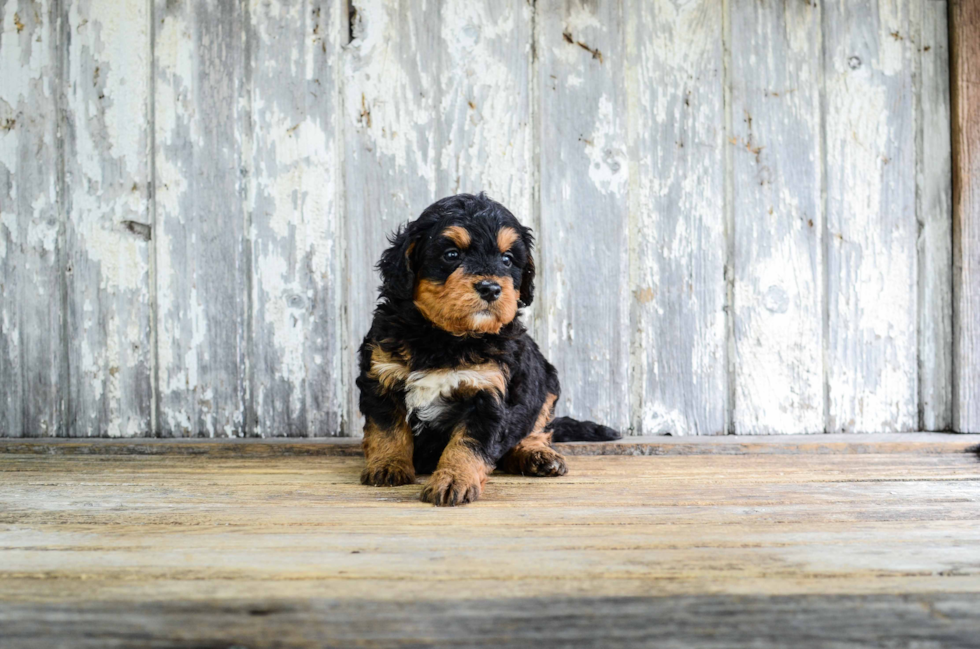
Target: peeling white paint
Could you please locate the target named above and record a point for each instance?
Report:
(606, 151)
(678, 376)
(32, 357)
(629, 140)
(288, 322)
(778, 221)
(293, 190)
(872, 226)
(394, 111)
(584, 175)
(108, 113)
(487, 141)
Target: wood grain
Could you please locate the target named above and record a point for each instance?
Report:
(201, 266)
(296, 233)
(677, 231)
(711, 621)
(109, 221)
(221, 531)
(435, 103)
(965, 75)
(934, 198)
(193, 197)
(584, 180)
(871, 220)
(33, 361)
(830, 444)
(389, 163)
(778, 304)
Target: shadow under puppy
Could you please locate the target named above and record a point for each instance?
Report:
(450, 382)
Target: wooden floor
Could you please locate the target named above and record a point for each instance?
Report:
(809, 542)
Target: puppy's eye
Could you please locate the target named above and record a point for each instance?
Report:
(451, 255)
(508, 259)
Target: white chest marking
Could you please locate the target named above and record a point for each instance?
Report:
(427, 392)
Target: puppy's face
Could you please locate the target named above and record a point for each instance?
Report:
(470, 263)
(469, 275)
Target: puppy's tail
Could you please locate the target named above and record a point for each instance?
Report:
(566, 429)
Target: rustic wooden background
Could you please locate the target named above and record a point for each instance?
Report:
(743, 208)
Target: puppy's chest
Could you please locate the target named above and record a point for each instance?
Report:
(430, 393)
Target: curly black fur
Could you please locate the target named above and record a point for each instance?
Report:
(420, 253)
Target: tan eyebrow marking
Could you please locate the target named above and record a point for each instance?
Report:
(506, 238)
(458, 235)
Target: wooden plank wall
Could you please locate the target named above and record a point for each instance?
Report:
(106, 205)
(965, 55)
(583, 256)
(678, 297)
(777, 217)
(33, 356)
(743, 210)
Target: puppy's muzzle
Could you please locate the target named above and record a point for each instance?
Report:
(488, 290)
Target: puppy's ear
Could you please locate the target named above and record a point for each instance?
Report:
(527, 279)
(397, 273)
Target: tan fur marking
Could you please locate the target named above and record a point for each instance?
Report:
(460, 475)
(388, 454)
(455, 306)
(534, 455)
(489, 374)
(458, 235)
(546, 414)
(506, 238)
(389, 370)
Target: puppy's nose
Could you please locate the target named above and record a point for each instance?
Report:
(488, 290)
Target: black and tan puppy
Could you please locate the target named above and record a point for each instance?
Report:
(451, 383)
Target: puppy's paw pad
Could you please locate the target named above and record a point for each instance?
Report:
(446, 489)
(545, 464)
(390, 474)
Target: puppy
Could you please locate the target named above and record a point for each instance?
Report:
(450, 382)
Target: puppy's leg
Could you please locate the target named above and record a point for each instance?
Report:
(388, 451)
(461, 474)
(534, 455)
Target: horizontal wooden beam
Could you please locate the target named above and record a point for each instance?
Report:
(652, 445)
(832, 620)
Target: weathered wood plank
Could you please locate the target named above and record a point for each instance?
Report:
(965, 69)
(484, 129)
(871, 220)
(296, 230)
(436, 102)
(778, 218)
(934, 174)
(199, 235)
(252, 213)
(109, 221)
(210, 530)
(677, 228)
(584, 179)
(33, 363)
(390, 107)
(844, 444)
(839, 621)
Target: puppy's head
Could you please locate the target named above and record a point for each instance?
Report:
(465, 263)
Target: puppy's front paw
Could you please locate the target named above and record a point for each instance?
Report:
(544, 463)
(534, 460)
(388, 474)
(447, 488)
